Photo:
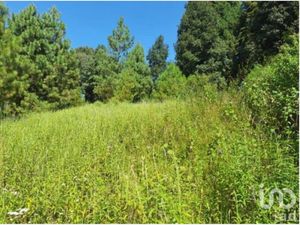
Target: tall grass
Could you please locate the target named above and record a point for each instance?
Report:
(196, 161)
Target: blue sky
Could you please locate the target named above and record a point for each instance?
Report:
(90, 23)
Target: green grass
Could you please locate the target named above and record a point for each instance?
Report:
(197, 161)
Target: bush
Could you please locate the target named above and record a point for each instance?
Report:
(207, 86)
(132, 87)
(271, 91)
(170, 84)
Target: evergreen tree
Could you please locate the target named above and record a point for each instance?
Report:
(14, 70)
(157, 57)
(54, 77)
(263, 28)
(136, 61)
(120, 41)
(134, 83)
(170, 84)
(106, 65)
(106, 70)
(86, 58)
(206, 40)
(64, 88)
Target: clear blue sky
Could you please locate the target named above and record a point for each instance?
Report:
(90, 23)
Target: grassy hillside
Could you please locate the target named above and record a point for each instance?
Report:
(172, 162)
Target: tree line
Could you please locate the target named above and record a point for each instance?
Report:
(217, 41)
(229, 38)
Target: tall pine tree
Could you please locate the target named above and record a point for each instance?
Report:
(55, 76)
(157, 57)
(120, 41)
(15, 98)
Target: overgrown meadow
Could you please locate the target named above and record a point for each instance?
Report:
(171, 162)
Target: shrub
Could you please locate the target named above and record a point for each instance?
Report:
(271, 91)
(132, 87)
(196, 83)
(206, 86)
(170, 84)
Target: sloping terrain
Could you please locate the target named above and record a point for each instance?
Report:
(174, 162)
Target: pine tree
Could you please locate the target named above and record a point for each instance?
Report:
(136, 61)
(157, 57)
(134, 83)
(120, 41)
(54, 77)
(15, 98)
(106, 65)
(106, 70)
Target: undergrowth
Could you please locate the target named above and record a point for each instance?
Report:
(193, 161)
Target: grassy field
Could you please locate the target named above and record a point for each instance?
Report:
(173, 162)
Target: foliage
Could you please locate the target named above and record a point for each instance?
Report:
(134, 83)
(218, 80)
(14, 69)
(54, 77)
(120, 41)
(206, 37)
(203, 86)
(106, 70)
(263, 27)
(3, 17)
(105, 87)
(136, 61)
(272, 90)
(170, 162)
(86, 59)
(14, 72)
(64, 86)
(106, 65)
(200, 157)
(128, 86)
(157, 57)
(170, 84)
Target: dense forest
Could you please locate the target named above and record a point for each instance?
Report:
(237, 66)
